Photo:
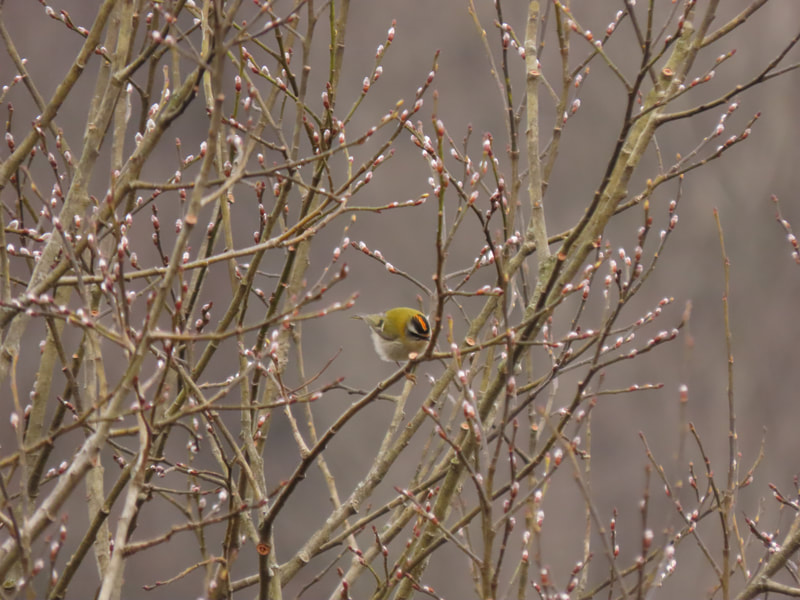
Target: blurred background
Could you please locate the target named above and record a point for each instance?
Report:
(765, 281)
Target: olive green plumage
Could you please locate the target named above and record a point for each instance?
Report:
(398, 332)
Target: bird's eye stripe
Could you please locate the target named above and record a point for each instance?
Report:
(422, 324)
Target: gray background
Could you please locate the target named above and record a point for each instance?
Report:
(764, 289)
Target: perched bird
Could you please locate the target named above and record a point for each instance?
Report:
(398, 332)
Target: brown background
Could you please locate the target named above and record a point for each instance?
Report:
(764, 289)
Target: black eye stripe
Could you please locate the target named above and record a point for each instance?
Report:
(420, 324)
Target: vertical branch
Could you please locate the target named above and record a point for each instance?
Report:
(111, 588)
(733, 459)
(120, 34)
(509, 214)
(537, 229)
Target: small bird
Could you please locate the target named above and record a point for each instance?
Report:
(398, 332)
